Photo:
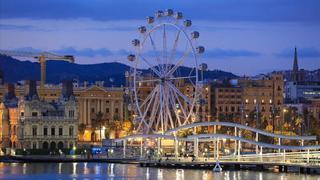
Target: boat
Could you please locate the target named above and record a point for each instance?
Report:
(217, 167)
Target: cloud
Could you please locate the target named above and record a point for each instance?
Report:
(309, 52)
(87, 52)
(16, 27)
(84, 52)
(229, 53)
(114, 28)
(230, 10)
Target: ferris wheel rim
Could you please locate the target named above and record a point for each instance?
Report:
(194, 58)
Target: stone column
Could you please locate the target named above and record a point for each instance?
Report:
(89, 113)
(85, 120)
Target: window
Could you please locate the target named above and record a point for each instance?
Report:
(232, 109)
(22, 114)
(92, 110)
(34, 113)
(53, 131)
(34, 145)
(45, 131)
(116, 110)
(34, 131)
(71, 131)
(107, 110)
(71, 113)
(60, 131)
(107, 102)
(14, 130)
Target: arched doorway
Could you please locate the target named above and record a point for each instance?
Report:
(45, 145)
(52, 145)
(60, 145)
(93, 136)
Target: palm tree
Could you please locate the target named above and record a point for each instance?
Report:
(97, 122)
(298, 123)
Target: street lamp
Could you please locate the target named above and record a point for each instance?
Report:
(283, 114)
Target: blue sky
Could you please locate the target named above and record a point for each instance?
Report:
(245, 37)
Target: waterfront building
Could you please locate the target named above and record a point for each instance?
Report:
(91, 99)
(247, 99)
(9, 118)
(226, 100)
(47, 125)
(314, 109)
(299, 92)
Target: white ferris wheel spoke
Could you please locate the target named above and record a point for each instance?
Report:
(164, 50)
(148, 80)
(185, 77)
(154, 112)
(167, 103)
(173, 51)
(150, 66)
(180, 104)
(174, 107)
(156, 52)
(180, 62)
(149, 97)
(147, 108)
(185, 98)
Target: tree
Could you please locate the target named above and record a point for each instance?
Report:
(97, 123)
(127, 126)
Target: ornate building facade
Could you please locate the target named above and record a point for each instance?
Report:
(91, 100)
(33, 123)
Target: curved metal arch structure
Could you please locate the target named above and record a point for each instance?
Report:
(209, 137)
(151, 136)
(235, 125)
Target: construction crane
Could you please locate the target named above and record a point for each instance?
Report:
(42, 57)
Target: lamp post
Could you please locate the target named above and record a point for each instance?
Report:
(98, 119)
(283, 118)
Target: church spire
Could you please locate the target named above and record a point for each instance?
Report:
(295, 71)
(295, 62)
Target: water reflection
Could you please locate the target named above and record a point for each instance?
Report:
(160, 174)
(74, 169)
(179, 174)
(128, 171)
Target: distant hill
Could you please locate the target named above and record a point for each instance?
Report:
(111, 73)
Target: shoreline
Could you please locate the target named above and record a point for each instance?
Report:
(237, 166)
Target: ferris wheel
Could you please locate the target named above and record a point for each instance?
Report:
(165, 77)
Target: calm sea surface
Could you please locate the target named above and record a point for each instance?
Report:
(46, 171)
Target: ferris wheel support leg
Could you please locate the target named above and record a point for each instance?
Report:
(238, 153)
(261, 152)
(257, 139)
(141, 148)
(195, 146)
(235, 141)
(159, 146)
(217, 151)
(279, 143)
(176, 148)
(214, 148)
(124, 148)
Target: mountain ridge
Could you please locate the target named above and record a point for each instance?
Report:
(113, 73)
